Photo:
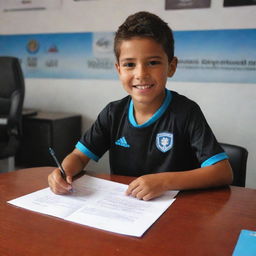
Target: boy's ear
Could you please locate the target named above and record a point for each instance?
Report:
(172, 66)
(117, 67)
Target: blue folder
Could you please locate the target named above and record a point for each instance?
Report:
(246, 244)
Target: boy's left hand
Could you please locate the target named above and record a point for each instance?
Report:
(147, 186)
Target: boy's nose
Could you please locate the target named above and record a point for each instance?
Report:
(141, 72)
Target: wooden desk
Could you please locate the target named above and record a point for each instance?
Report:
(205, 222)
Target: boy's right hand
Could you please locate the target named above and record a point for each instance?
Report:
(57, 184)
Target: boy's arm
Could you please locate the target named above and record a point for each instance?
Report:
(72, 164)
(152, 185)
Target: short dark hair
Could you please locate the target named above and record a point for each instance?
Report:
(148, 25)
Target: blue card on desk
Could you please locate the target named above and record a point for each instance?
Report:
(246, 244)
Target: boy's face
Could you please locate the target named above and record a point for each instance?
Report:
(143, 69)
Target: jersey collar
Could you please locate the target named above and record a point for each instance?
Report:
(157, 115)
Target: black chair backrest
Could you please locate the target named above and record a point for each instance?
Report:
(12, 91)
(238, 160)
(12, 88)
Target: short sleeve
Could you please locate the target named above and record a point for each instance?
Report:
(202, 140)
(95, 142)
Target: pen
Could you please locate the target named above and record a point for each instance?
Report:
(63, 174)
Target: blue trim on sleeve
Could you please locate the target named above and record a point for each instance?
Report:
(214, 159)
(81, 147)
(156, 116)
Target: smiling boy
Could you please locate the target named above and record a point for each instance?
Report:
(155, 134)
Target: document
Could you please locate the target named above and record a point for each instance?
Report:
(100, 204)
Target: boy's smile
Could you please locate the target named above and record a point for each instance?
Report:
(143, 69)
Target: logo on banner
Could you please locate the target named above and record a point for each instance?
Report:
(32, 46)
(164, 141)
(52, 49)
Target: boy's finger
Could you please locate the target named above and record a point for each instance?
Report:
(141, 194)
(69, 179)
(134, 184)
(61, 184)
(136, 191)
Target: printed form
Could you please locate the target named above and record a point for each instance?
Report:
(100, 204)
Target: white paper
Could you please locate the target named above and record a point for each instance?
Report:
(100, 204)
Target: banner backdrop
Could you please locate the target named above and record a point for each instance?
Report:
(216, 56)
(204, 56)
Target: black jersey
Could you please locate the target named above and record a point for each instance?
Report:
(176, 138)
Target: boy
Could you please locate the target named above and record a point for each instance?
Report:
(155, 134)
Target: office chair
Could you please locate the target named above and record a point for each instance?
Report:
(238, 160)
(12, 92)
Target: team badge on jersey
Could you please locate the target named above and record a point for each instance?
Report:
(164, 141)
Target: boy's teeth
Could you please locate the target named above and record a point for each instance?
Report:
(143, 86)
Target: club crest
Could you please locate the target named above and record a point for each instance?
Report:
(164, 141)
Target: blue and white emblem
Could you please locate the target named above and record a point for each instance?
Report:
(164, 141)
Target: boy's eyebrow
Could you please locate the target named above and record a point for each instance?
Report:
(154, 57)
(126, 59)
(150, 57)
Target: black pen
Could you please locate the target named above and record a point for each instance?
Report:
(63, 174)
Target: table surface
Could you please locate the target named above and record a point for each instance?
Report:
(199, 222)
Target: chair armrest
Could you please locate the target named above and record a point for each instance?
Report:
(3, 121)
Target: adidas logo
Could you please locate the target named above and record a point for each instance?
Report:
(122, 142)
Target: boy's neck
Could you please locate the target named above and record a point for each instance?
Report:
(143, 111)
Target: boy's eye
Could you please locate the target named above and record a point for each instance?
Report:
(154, 62)
(129, 64)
